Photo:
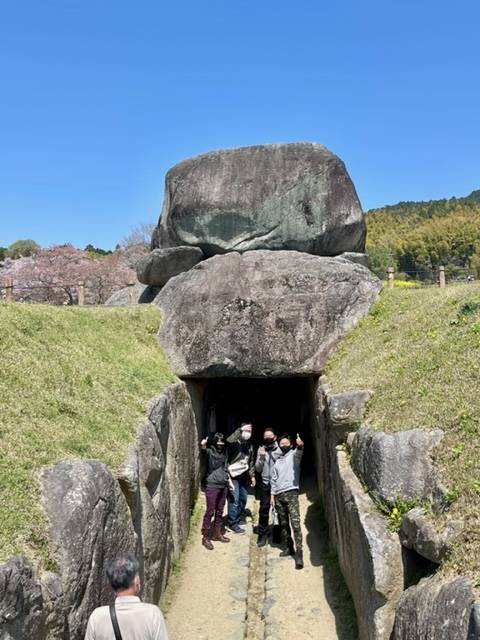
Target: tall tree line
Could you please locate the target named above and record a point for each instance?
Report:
(417, 237)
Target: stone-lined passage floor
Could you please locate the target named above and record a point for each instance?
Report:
(240, 592)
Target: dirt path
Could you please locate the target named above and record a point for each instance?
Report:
(240, 592)
(209, 603)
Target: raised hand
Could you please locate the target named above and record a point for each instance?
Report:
(261, 452)
(299, 441)
(203, 443)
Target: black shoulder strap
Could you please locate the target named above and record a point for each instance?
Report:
(116, 628)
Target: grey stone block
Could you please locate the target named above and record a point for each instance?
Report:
(279, 196)
(436, 609)
(398, 465)
(261, 313)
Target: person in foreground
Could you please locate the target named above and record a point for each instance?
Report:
(136, 620)
(285, 484)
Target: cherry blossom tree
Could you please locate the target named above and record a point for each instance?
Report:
(52, 275)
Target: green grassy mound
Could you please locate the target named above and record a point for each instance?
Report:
(419, 351)
(73, 383)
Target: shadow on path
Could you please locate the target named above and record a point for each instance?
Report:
(336, 591)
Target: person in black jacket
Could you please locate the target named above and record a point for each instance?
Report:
(216, 487)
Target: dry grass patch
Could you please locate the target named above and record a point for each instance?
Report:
(419, 351)
(74, 382)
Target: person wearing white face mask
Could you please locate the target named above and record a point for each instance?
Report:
(241, 469)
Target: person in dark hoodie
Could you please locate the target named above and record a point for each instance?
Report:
(216, 487)
(285, 485)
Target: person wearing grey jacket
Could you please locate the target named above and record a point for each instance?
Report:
(266, 457)
(285, 485)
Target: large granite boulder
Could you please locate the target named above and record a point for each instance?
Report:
(173, 417)
(398, 465)
(474, 626)
(261, 313)
(89, 525)
(435, 609)
(137, 294)
(160, 481)
(418, 532)
(346, 411)
(145, 485)
(278, 196)
(158, 266)
(30, 606)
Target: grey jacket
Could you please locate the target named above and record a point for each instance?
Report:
(264, 464)
(286, 472)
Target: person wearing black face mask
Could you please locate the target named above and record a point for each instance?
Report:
(216, 487)
(285, 486)
(266, 456)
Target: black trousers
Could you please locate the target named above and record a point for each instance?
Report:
(264, 512)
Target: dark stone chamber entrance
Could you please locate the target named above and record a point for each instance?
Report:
(284, 404)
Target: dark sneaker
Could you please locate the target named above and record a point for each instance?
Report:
(236, 528)
(261, 541)
(299, 560)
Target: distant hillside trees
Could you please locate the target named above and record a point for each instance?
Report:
(21, 249)
(417, 237)
(96, 251)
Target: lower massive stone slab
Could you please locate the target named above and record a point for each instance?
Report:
(261, 313)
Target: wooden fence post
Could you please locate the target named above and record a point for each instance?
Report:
(131, 293)
(441, 277)
(9, 290)
(390, 276)
(81, 293)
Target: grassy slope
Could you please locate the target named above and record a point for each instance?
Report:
(419, 351)
(73, 383)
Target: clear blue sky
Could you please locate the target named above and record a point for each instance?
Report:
(100, 97)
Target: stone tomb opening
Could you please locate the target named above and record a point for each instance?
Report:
(284, 404)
